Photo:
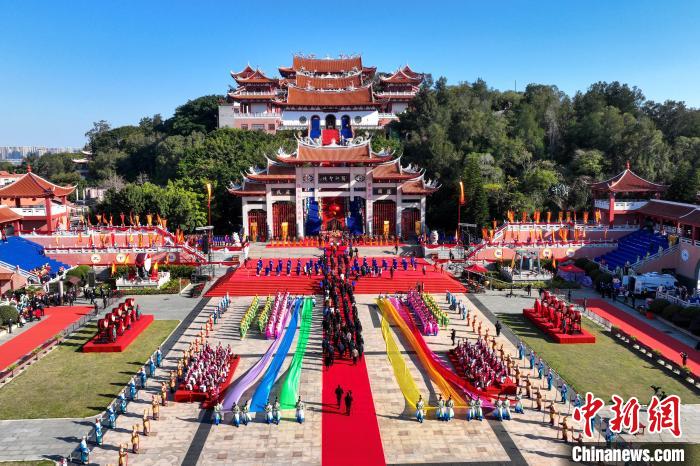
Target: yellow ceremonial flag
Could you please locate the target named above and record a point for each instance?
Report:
(462, 200)
(554, 262)
(155, 268)
(114, 269)
(512, 262)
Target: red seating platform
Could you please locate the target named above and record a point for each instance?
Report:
(123, 341)
(244, 282)
(548, 328)
(189, 396)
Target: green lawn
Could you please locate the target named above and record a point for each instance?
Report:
(70, 383)
(603, 368)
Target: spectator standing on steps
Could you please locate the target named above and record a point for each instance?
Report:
(348, 401)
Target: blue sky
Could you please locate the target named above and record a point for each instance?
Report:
(65, 64)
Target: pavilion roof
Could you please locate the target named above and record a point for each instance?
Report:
(627, 182)
(8, 215)
(327, 65)
(275, 172)
(403, 75)
(419, 186)
(257, 77)
(245, 72)
(329, 82)
(691, 218)
(393, 171)
(248, 189)
(33, 186)
(361, 96)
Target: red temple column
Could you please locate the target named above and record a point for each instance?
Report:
(49, 219)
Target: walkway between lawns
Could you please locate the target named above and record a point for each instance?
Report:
(54, 320)
(645, 333)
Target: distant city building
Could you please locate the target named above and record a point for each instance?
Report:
(317, 94)
(16, 154)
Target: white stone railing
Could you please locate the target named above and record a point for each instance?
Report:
(652, 257)
(397, 93)
(149, 282)
(270, 93)
(256, 115)
(627, 204)
(392, 116)
(39, 211)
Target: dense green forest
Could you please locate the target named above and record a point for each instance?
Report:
(535, 149)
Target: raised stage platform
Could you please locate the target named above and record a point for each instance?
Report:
(245, 282)
(555, 334)
(189, 396)
(123, 341)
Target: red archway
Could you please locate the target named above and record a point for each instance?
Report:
(284, 211)
(384, 211)
(257, 220)
(409, 217)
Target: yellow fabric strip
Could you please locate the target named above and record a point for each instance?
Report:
(411, 393)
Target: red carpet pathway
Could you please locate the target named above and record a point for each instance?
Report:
(349, 440)
(645, 333)
(244, 282)
(55, 320)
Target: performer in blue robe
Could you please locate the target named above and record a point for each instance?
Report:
(84, 451)
(151, 367)
(540, 369)
(98, 431)
(236, 415)
(550, 379)
(132, 390)
(564, 393)
(245, 413)
(519, 405)
(142, 377)
(159, 357)
(276, 411)
(122, 403)
(268, 412)
(218, 414)
(449, 407)
(111, 418)
(521, 350)
(532, 360)
(420, 413)
(300, 411)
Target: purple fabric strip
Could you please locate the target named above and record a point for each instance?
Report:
(234, 392)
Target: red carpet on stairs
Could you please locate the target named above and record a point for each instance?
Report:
(645, 333)
(54, 320)
(244, 282)
(349, 440)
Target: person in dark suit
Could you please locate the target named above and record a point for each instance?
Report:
(339, 395)
(348, 401)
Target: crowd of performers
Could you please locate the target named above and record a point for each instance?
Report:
(342, 329)
(201, 364)
(561, 314)
(349, 265)
(483, 366)
(241, 413)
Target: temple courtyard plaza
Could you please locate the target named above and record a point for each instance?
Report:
(185, 434)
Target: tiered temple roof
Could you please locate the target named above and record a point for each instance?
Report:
(325, 82)
(357, 153)
(627, 182)
(33, 186)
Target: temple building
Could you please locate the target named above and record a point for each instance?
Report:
(620, 197)
(325, 186)
(318, 94)
(35, 203)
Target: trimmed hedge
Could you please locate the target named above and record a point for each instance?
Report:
(8, 315)
(658, 305)
(80, 271)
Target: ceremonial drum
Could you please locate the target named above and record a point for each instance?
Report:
(121, 258)
(95, 258)
(547, 253)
